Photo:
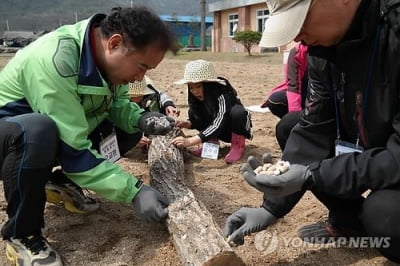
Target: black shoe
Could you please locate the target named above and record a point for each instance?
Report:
(323, 233)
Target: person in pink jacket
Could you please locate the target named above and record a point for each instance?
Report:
(289, 95)
(287, 99)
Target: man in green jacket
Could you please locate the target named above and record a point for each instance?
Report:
(64, 101)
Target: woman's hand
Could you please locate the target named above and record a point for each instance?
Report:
(172, 111)
(180, 142)
(186, 142)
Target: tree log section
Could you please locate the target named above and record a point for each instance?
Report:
(196, 236)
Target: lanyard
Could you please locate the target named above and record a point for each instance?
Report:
(361, 99)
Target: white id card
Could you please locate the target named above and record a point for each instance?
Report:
(109, 148)
(210, 150)
(346, 147)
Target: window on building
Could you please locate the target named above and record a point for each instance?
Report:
(261, 16)
(233, 20)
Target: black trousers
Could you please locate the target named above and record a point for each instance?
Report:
(28, 152)
(278, 104)
(28, 148)
(239, 122)
(377, 215)
(285, 126)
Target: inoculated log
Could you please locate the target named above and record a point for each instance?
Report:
(196, 236)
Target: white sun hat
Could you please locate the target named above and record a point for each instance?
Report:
(140, 88)
(285, 21)
(199, 71)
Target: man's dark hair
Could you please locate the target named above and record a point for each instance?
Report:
(141, 26)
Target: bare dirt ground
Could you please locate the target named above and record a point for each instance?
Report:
(114, 236)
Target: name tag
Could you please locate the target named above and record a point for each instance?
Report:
(109, 148)
(210, 150)
(346, 147)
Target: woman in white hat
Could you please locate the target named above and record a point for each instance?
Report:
(214, 110)
(147, 97)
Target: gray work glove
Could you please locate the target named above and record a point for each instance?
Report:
(150, 205)
(291, 181)
(153, 123)
(246, 221)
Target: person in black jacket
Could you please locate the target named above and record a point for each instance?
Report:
(346, 148)
(215, 110)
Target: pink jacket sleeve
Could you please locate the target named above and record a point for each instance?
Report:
(296, 86)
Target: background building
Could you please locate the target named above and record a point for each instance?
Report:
(231, 16)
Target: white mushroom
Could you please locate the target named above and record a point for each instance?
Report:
(266, 166)
(283, 166)
(258, 170)
(278, 168)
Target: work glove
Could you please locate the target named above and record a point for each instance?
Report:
(293, 180)
(153, 123)
(150, 205)
(246, 221)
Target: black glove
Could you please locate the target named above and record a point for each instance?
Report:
(150, 205)
(153, 123)
(293, 180)
(246, 221)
